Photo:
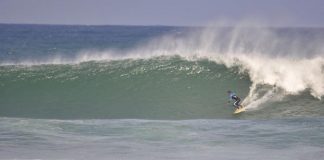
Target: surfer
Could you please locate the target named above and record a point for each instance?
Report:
(233, 96)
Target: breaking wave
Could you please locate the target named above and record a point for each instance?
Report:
(178, 71)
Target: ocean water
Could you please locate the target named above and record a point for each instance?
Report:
(158, 92)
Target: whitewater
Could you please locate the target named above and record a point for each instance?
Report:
(155, 92)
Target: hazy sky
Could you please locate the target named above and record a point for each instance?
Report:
(163, 12)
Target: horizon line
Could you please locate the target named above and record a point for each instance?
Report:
(152, 25)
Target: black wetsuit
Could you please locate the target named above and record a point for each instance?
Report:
(236, 99)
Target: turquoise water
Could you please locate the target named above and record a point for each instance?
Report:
(131, 92)
(160, 88)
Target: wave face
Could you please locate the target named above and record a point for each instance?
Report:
(160, 72)
(158, 88)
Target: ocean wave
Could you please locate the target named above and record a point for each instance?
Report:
(263, 65)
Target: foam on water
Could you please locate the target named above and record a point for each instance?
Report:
(150, 139)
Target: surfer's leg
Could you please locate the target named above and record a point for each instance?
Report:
(237, 104)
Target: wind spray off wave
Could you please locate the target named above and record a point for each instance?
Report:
(294, 62)
(289, 59)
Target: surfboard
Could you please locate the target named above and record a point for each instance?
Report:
(242, 109)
